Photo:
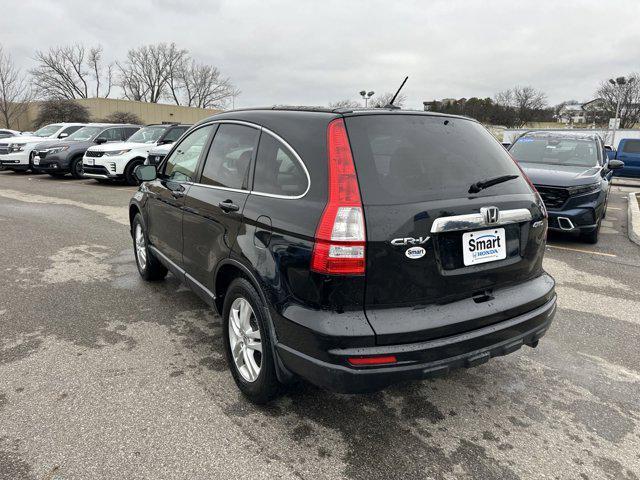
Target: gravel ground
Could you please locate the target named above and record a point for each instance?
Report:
(105, 376)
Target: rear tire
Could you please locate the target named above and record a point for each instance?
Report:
(76, 168)
(129, 176)
(251, 342)
(148, 265)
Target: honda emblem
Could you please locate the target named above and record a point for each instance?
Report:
(490, 215)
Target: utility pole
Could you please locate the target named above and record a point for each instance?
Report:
(619, 83)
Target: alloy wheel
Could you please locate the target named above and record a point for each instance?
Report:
(245, 340)
(141, 247)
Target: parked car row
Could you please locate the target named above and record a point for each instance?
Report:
(99, 150)
(628, 152)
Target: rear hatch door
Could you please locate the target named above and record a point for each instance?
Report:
(415, 172)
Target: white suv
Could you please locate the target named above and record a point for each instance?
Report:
(16, 153)
(118, 160)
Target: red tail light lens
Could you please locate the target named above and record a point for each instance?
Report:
(340, 236)
(367, 361)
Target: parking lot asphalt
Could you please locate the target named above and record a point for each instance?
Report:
(105, 376)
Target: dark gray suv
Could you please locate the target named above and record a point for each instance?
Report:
(59, 158)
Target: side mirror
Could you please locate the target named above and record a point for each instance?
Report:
(164, 142)
(145, 173)
(101, 140)
(615, 164)
(63, 135)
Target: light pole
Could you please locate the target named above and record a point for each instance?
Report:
(366, 96)
(618, 82)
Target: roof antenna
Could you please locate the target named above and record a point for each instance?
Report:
(390, 104)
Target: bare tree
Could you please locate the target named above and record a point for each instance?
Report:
(381, 101)
(122, 117)
(346, 103)
(204, 87)
(100, 72)
(69, 71)
(629, 95)
(15, 90)
(148, 71)
(526, 101)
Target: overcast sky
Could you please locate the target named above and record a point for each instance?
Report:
(314, 52)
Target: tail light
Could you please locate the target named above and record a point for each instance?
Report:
(369, 361)
(340, 236)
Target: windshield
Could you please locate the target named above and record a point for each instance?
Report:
(576, 152)
(47, 131)
(416, 158)
(147, 135)
(85, 133)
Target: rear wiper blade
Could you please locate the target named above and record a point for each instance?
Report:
(481, 185)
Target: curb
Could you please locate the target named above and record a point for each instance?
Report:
(633, 211)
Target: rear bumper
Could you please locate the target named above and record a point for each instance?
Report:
(422, 360)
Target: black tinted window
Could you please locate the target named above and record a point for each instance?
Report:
(174, 134)
(230, 155)
(113, 134)
(130, 131)
(277, 170)
(182, 163)
(413, 158)
(631, 146)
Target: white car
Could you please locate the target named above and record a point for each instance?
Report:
(157, 154)
(16, 153)
(116, 161)
(5, 133)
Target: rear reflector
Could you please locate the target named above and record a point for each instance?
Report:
(381, 360)
(340, 236)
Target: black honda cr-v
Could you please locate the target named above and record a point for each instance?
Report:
(350, 248)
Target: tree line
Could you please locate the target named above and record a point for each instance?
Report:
(149, 73)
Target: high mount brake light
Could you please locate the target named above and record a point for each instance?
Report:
(340, 238)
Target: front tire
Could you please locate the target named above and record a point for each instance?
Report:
(592, 236)
(76, 168)
(248, 343)
(148, 265)
(129, 176)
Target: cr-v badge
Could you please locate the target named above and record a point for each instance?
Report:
(399, 242)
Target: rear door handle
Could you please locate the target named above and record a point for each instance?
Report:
(228, 206)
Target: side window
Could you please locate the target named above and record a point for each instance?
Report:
(70, 130)
(174, 134)
(112, 134)
(631, 146)
(230, 155)
(181, 165)
(130, 131)
(278, 171)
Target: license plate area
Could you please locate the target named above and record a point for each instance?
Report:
(484, 246)
(450, 252)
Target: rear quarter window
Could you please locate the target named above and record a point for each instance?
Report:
(631, 146)
(278, 171)
(414, 158)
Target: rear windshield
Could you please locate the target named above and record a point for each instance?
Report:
(413, 158)
(552, 150)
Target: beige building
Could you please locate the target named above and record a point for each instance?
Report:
(147, 112)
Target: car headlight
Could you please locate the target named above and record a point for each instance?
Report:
(115, 153)
(56, 149)
(16, 147)
(582, 189)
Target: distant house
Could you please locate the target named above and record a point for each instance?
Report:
(593, 111)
